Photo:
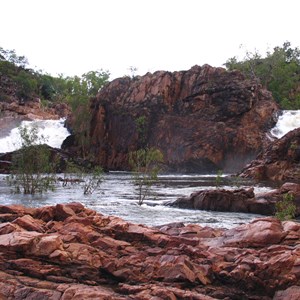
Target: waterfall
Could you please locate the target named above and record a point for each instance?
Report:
(287, 121)
(53, 131)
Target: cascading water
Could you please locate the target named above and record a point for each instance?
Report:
(53, 132)
(287, 121)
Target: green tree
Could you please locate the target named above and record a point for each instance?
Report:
(32, 171)
(278, 71)
(145, 166)
(79, 93)
(27, 84)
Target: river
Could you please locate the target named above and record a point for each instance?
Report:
(116, 195)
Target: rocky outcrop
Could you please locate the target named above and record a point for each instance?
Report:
(70, 252)
(279, 161)
(240, 200)
(203, 119)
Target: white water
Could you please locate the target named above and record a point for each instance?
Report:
(287, 121)
(53, 132)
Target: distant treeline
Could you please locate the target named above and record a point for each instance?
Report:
(278, 71)
(27, 83)
(20, 83)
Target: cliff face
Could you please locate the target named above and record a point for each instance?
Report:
(203, 119)
(277, 162)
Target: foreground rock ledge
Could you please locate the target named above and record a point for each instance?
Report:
(70, 252)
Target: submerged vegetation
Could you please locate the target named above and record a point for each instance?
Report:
(145, 166)
(31, 171)
(34, 168)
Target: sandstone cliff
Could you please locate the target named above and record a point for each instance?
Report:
(203, 119)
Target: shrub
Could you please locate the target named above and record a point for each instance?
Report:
(145, 166)
(286, 208)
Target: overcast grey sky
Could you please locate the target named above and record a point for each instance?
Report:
(76, 36)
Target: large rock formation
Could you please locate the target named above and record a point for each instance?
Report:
(279, 161)
(202, 119)
(71, 252)
(240, 200)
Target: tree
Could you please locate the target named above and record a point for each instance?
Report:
(145, 166)
(32, 171)
(80, 91)
(278, 71)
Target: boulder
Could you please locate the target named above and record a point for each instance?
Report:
(240, 200)
(202, 120)
(72, 252)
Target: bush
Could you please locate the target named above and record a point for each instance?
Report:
(286, 208)
(145, 166)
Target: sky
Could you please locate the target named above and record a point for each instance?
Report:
(72, 37)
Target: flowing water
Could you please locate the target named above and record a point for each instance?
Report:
(117, 196)
(287, 121)
(52, 131)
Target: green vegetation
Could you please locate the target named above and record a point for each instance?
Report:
(75, 91)
(142, 129)
(145, 167)
(31, 171)
(286, 208)
(278, 71)
(218, 179)
(144, 162)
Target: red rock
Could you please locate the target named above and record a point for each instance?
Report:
(292, 293)
(18, 241)
(279, 161)
(8, 228)
(202, 119)
(29, 223)
(258, 233)
(108, 258)
(62, 212)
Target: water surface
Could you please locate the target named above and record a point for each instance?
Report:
(117, 196)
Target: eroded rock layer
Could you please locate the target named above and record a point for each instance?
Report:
(70, 252)
(203, 119)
